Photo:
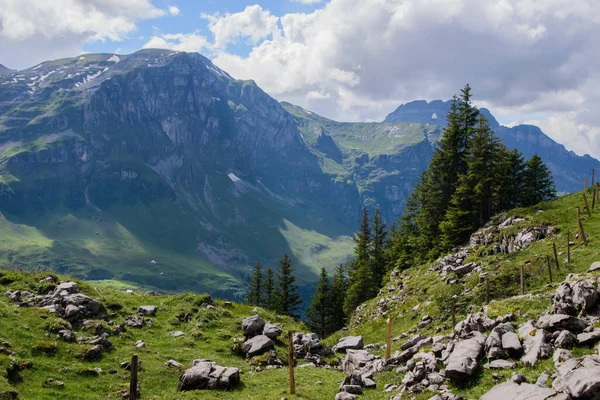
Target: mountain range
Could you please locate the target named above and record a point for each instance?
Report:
(160, 170)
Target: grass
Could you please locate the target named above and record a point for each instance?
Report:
(30, 333)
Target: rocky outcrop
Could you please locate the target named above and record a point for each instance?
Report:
(349, 342)
(464, 359)
(208, 375)
(524, 391)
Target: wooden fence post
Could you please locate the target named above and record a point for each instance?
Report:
(555, 254)
(549, 268)
(487, 290)
(568, 247)
(133, 385)
(453, 311)
(587, 206)
(580, 227)
(594, 197)
(522, 282)
(388, 348)
(291, 361)
(593, 176)
(584, 184)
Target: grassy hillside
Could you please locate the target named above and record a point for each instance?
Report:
(30, 332)
(421, 291)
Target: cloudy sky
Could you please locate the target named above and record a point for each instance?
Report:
(534, 61)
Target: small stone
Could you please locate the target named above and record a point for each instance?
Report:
(176, 334)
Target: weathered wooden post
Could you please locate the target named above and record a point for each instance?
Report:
(487, 290)
(555, 254)
(133, 383)
(580, 227)
(549, 268)
(587, 206)
(291, 361)
(568, 247)
(594, 197)
(453, 311)
(584, 184)
(522, 281)
(593, 175)
(388, 348)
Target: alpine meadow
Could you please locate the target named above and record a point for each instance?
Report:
(299, 199)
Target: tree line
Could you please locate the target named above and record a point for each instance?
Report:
(472, 176)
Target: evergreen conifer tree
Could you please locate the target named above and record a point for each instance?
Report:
(339, 287)
(512, 168)
(289, 299)
(255, 294)
(378, 255)
(319, 312)
(538, 184)
(270, 296)
(362, 285)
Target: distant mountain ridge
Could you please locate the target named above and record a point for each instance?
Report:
(568, 168)
(161, 170)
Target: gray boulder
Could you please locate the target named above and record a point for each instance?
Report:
(511, 344)
(257, 345)
(462, 363)
(565, 340)
(208, 375)
(588, 338)
(349, 342)
(594, 267)
(253, 325)
(579, 377)
(412, 341)
(360, 361)
(345, 396)
(524, 391)
(500, 364)
(555, 322)
(148, 311)
(535, 347)
(272, 331)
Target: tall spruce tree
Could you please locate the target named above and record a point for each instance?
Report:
(538, 184)
(255, 289)
(513, 169)
(438, 183)
(476, 197)
(270, 296)
(320, 311)
(339, 287)
(362, 285)
(289, 299)
(378, 249)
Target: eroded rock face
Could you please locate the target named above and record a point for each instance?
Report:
(208, 375)
(574, 296)
(535, 343)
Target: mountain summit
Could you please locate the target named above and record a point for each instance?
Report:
(568, 168)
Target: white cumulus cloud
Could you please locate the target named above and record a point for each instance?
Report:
(174, 11)
(191, 42)
(253, 23)
(35, 30)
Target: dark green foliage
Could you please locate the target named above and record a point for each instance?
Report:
(472, 176)
(270, 298)
(362, 240)
(289, 299)
(339, 288)
(255, 288)
(378, 260)
(320, 311)
(362, 284)
(538, 183)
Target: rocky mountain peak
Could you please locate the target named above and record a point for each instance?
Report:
(433, 112)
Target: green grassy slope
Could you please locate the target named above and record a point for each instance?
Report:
(424, 293)
(208, 336)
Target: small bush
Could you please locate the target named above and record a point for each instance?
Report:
(54, 324)
(45, 347)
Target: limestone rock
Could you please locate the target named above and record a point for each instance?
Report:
(349, 342)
